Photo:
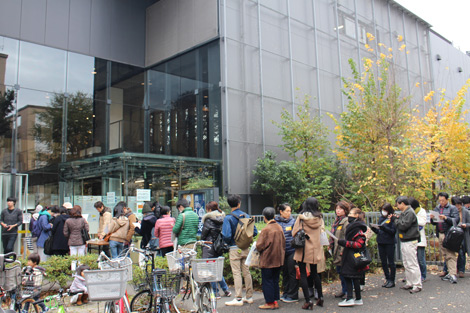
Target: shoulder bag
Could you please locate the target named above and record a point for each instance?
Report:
(299, 239)
(85, 234)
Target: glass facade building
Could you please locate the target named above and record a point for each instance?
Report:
(89, 126)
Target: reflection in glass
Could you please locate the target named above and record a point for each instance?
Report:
(80, 74)
(41, 68)
(8, 61)
(6, 109)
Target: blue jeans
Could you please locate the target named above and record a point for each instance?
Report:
(422, 261)
(344, 289)
(116, 248)
(461, 261)
(222, 285)
(8, 242)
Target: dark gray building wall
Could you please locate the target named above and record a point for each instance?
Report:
(109, 29)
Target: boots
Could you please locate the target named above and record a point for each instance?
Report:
(85, 298)
(79, 300)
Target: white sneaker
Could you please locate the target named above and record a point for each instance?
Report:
(235, 302)
(345, 302)
(358, 302)
(248, 300)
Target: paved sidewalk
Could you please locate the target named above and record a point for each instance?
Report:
(437, 296)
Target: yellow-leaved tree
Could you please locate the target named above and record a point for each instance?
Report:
(441, 156)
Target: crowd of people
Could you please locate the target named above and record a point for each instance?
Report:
(301, 265)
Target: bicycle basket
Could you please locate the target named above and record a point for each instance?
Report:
(125, 263)
(31, 283)
(165, 284)
(208, 270)
(105, 285)
(179, 262)
(10, 278)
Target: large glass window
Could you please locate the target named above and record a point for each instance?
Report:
(184, 105)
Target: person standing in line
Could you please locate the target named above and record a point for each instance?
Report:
(386, 242)
(355, 240)
(45, 225)
(212, 226)
(310, 220)
(105, 217)
(408, 232)
(339, 230)
(271, 245)
(147, 227)
(33, 221)
(422, 219)
(118, 229)
(10, 220)
(60, 244)
(290, 284)
(464, 217)
(73, 231)
(163, 229)
(186, 224)
(237, 256)
(448, 215)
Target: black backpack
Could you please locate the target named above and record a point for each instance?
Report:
(453, 239)
(219, 245)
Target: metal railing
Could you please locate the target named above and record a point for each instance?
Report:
(432, 242)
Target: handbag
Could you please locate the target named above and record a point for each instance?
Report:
(299, 239)
(48, 245)
(361, 259)
(85, 234)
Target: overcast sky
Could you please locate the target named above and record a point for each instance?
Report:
(448, 18)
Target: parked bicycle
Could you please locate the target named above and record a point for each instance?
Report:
(198, 275)
(110, 282)
(143, 300)
(57, 301)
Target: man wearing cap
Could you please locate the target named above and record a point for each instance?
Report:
(10, 220)
(68, 206)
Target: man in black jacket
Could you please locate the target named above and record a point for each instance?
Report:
(448, 215)
(408, 232)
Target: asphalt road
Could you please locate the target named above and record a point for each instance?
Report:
(436, 296)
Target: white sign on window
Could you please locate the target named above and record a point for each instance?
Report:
(143, 195)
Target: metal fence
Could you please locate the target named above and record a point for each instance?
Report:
(432, 248)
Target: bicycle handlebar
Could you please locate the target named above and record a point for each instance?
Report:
(9, 257)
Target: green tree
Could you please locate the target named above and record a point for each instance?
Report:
(48, 128)
(6, 108)
(281, 181)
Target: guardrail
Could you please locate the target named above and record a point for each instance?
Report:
(432, 248)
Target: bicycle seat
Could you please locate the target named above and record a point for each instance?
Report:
(159, 271)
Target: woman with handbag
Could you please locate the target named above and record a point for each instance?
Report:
(310, 222)
(354, 244)
(118, 229)
(73, 231)
(60, 245)
(212, 226)
(339, 230)
(271, 245)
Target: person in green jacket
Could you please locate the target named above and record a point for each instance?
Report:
(186, 224)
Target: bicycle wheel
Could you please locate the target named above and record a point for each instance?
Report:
(28, 306)
(142, 302)
(206, 303)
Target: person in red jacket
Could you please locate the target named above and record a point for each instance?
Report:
(163, 230)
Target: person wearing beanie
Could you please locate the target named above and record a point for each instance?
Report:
(146, 228)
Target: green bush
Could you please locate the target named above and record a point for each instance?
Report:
(58, 268)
